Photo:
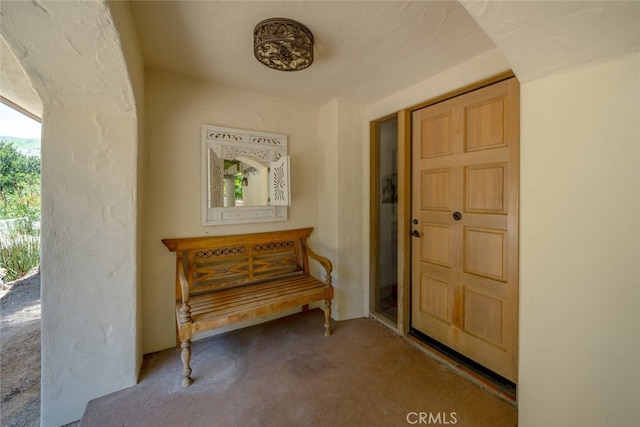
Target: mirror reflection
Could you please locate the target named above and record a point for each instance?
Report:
(245, 182)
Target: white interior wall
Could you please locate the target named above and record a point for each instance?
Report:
(176, 109)
(329, 186)
(471, 71)
(353, 300)
(579, 248)
(538, 405)
(340, 200)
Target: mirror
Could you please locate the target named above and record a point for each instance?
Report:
(245, 176)
(244, 183)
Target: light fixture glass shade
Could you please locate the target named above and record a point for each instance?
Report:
(283, 44)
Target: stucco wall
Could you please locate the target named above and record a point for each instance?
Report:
(88, 259)
(176, 109)
(328, 187)
(88, 75)
(135, 69)
(475, 69)
(353, 301)
(579, 211)
(579, 279)
(580, 246)
(329, 149)
(340, 194)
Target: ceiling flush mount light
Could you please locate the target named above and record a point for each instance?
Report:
(283, 44)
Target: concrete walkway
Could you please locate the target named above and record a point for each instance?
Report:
(286, 373)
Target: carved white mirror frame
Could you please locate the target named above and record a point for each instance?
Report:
(219, 144)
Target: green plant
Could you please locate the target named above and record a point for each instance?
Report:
(15, 167)
(232, 169)
(19, 211)
(19, 252)
(22, 202)
(237, 184)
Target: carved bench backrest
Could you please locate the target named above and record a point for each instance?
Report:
(230, 266)
(212, 263)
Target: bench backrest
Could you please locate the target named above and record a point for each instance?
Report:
(218, 262)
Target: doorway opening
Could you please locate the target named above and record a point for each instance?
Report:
(465, 181)
(19, 191)
(464, 302)
(19, 265)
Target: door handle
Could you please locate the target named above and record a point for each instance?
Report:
(415, 233)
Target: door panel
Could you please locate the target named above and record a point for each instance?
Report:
(485, 252)
(435, 245)
(465, 268)
(437, 185)
(486, 188)
(484, 317)
(436, 135)
(435, 298)
(486, 126)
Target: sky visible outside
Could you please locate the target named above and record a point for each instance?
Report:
(17, 125)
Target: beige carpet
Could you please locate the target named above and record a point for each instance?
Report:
(286, 373)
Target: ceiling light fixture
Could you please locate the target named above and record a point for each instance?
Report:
(283, 44)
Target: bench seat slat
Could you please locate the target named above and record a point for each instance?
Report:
(214, 308)
(239, 291)
(221, 303)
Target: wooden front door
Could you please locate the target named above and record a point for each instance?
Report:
(465, 180)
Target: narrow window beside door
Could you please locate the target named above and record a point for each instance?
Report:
(385, 282)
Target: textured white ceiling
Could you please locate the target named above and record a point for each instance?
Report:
(541, 38)
(365, 50)
(70, 51)
(14, 85)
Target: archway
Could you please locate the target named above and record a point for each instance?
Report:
(90, 180)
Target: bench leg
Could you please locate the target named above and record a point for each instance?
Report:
(327, 317)
(186, 359)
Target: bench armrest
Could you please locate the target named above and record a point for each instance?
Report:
(184, 284)
(185, 310)
(324, 262)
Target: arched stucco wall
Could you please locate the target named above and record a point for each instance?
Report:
(74, 56)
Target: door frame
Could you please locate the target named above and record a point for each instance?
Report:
(404, 200)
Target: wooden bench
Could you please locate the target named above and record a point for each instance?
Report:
(223, 280)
